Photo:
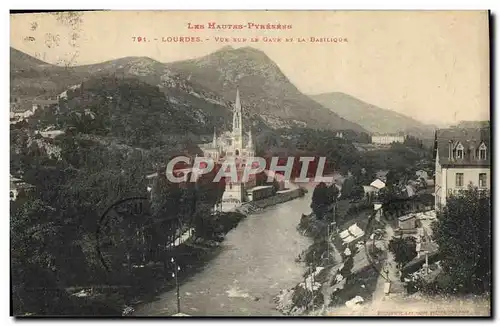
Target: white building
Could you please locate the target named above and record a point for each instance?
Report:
(388, 139)
(463, 158)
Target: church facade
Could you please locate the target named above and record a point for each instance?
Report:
(235, 147)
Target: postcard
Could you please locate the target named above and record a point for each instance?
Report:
(250, 163)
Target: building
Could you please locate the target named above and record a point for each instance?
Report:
(378, 184)
(462, 158)
(262, 192)
(39, 104)
(64, 95)
(407, 222)
(18, 188)
(21, 110)
(237, 148)
(422, 174)
(386, 139)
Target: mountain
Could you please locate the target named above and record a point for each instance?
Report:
(206, 85)
(30, 77)
(371, 117)
(264, 89)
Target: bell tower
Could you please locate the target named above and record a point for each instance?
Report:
(237, 142)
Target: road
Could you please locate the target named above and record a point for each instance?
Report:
(256, 262)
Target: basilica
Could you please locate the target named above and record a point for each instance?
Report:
(236, 146)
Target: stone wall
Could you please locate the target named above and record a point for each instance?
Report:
(280, 197)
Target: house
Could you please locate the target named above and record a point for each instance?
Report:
(407, 222)
(462, 158)
(22, 110)
(369, 191)
(422, 174)
(382, 175)
(18, 188)
(378, 184)
(43, 104)
(51, 133)
(351, 234)
(410, 189)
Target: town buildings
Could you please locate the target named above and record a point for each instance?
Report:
(462, 158)
(21, 110)
(386, 139)
(19, 188)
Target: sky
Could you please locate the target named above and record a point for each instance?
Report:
(430, 65)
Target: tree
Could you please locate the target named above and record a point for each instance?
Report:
(352, 189)
(319, 200)
(463, 233)
(403, 249)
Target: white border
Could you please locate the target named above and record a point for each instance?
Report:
(211, 5)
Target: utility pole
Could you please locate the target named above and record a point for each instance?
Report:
(330, 223)
(312, 292)
(175, 275)
(312, 270)
(328, 242)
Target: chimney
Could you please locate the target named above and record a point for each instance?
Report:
(450, 149)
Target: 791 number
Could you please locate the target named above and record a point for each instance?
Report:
(138, 39)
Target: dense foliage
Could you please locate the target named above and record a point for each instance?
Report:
(115, 134)
(135, 112)
(463, 233)
(403, 249)
(323, 196)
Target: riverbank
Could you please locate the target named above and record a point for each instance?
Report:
(254, 261)
(194, 255)
(338, 271)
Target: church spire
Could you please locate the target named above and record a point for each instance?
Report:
(237, 104)
(237, 117)
(237, 140)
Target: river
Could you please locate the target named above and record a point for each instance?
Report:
(257, 260)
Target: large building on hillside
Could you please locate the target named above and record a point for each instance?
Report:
(236, 147)
(463, 158)
(386, 139)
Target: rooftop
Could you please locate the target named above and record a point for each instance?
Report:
(261, 187)
(470, 139)
(45, 102)
(406, 218)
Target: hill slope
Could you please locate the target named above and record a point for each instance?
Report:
(371, 117)
(30, 77)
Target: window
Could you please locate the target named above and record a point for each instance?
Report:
(482, 180)
(459, 180)
(482, 152)
(460, 151)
